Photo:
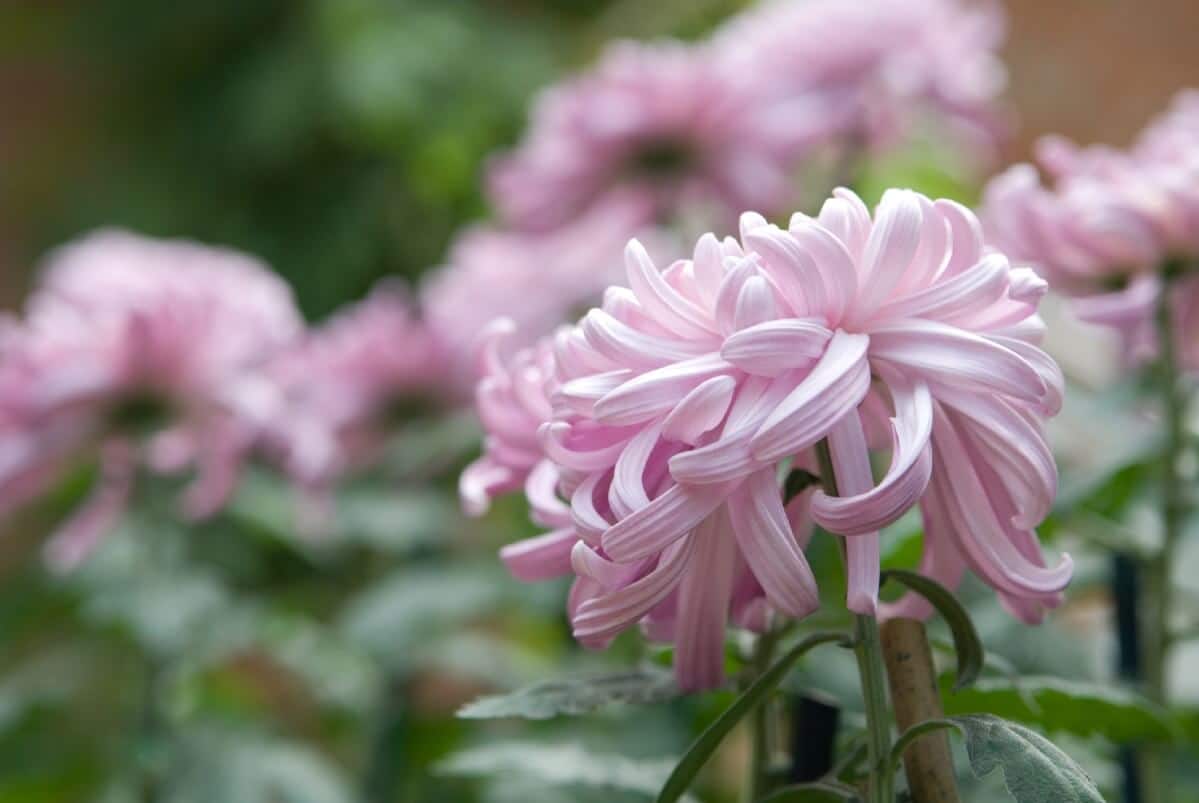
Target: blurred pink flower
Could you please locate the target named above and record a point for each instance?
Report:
(872, 72)
(137, 351)
(1108, 223)
(678, 402)
(347, 384)
(667, 127)
(538, 281)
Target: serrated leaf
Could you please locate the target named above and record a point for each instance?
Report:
(1034, 769)
(1055, 704)
(968, 647)
(561, 765)
(577, 695)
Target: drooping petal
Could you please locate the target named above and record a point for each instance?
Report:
(938, 352)
(980, 535)
(770, 548)
(906, 479)
(851, 464)
(606, 614)
(542, 557)
(835, 386)
(662, 522)
(703, 605)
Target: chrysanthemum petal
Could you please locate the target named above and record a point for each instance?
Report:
(942, 353)
(772, 347)
(905, 481)
(769, 547)
(606, 614)
(703, 606)
(835, 386)
(542, 557)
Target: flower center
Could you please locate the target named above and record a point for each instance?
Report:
(141, 413)
(662, 158)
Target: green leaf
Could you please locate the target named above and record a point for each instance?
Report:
(560, 765)
(577, 695)
(412, 605)
(703, 747)
(1075, 707)
(815, 792)
(223, 764)
(1034, 769)
(967, 644)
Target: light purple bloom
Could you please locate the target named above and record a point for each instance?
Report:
(1106, 222)
(869, 73)
(344, 386)
(137, 352)
(668, 128)
(677, 403)
(537, 280)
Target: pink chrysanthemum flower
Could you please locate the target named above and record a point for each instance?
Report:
(669, 127)
(679, 401)
(873, 72)
(1109, 223)
(347, 384)
(135, 351)
(537, 280)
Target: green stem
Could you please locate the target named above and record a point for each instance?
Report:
(757, 779)
(868, 651)
(1157, 601)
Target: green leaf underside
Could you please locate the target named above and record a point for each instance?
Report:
(702, 749)
(561, 765)
(577, 695)
(1034, 769)
(967, 644)
(1054, 704)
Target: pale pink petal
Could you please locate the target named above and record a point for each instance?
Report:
(700, 411)
(606, 614)
(676, 313)
(889, 251)
(835, 386)
(703, 606)
(773, 347)
(941, 353)
(663, 521)
(769, 546)
(906, 479)
(851, 464)
(656, 392)
(542, 557)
